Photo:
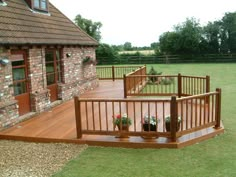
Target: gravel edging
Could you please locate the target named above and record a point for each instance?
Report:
(22, 159)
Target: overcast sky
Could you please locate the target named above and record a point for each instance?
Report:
(141, 22)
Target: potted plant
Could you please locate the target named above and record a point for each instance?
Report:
(89, 60)
(149, 121)
(168, 120)
(122, 121)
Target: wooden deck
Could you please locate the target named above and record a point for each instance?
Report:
(58, 125)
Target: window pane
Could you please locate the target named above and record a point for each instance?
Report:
(18, 63)
(18, 74)
(43, 4)
(19, 88)
(50, 67)
(49, 56)
(50, 79)
(36, 3)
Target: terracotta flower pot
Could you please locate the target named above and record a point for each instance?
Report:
(124, 127)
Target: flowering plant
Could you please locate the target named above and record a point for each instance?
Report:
(152, 120)
(124, 119)
(168, 118)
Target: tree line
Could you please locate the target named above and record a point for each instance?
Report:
(187, 38)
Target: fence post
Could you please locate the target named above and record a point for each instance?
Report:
(113, 73)
(173, 118)
(207, 88)
(218, 107)
(125, 89)
(78, 117)
(179, 85)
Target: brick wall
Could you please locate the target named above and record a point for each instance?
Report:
(40, 100)
(77, 78)
(8, 105)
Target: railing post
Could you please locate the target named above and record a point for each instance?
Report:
(179, 85)
(113, 73)
(173, 118)
(78, 117)
(125, 88)
(218, 107)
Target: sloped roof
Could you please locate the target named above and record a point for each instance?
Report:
(20, 25)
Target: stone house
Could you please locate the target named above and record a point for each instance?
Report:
(41, 59)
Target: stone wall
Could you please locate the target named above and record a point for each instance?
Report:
(8, 105)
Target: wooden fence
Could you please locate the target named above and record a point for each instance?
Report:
(114, 72)
(96, 116)
(164, 85)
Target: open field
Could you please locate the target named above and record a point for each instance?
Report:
(211, 158)
(143, 52)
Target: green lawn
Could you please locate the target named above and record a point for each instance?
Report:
(215, 157)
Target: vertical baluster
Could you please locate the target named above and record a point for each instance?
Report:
(99, 115)
(182, 115)
(187, 119)
(204, 110)
(113, 115)
(200, 119)
(148, 116)
(191, 113)
(87, 117)
(156, 116)
(93, 115)
(163, 116)
(141, 116)
(196, 110)
(134, 115)
(106, 116)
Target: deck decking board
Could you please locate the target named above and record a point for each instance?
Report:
(58, 124)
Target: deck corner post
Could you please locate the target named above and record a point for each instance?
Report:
(125, 88)
(174, 118)
(218, 108)
(179, 85)
(78, 117)
(113, 73)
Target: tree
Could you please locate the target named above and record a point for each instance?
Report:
(128, 46)
(106, 52)
(210, 42)
(189, 36)
(228, 33)
(184, 39)
(90, 27)
(169, 42)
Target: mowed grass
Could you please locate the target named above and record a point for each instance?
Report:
(215, 157)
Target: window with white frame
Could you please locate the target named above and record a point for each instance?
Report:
(41, 5)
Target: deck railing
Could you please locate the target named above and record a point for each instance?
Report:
(96, 116)
(114, 72)
(164, 85)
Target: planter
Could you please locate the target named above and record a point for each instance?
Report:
(152, 127)
(168, 126)
(124, 128)
(146, 129)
